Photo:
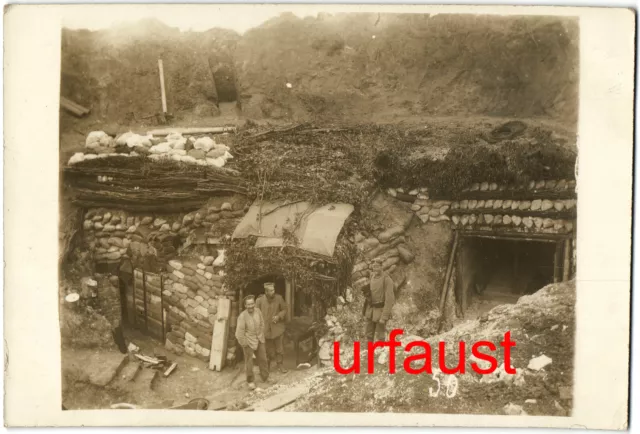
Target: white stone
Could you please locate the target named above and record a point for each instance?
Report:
(349, 295)
(175, 264)
(531, 401)
(555, 327)
(539, 362)
(325, 351)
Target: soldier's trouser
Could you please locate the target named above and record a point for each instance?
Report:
(275, 349)
(376, 331)
(261, 357)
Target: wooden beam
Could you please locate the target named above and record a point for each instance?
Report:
(557, 258)
(192, 131)
(162, 91)
(288, 298)
(567, 261)
(447, 275)
(516, 236)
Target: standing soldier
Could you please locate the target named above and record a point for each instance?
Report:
(274, 311)
(250, 335)
(378, 306)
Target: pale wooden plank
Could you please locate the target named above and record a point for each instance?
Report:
(220, 335)
(280, 400)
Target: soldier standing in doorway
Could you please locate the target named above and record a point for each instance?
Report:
(250, 335)
(378, 305)
(274, 311)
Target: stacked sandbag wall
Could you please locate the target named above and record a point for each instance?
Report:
(388, 247)
(545, 207)
(192, 284)
(150, 241)
(191, 292)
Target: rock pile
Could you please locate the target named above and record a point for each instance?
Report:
(388, 247)
(203, 151)
(335, 333)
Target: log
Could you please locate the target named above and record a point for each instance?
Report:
(72, 107)
(192, 131)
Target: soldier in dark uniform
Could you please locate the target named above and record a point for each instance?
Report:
(378, 304)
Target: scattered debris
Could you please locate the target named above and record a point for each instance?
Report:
(194, 404)
(280, 400)
(146, 359)
(539, 362)
(133, 348)
(555, 327)
(514, 410)
(565, 392)
(531, 401)
(561, 409)
(170, 369)
(303, 366)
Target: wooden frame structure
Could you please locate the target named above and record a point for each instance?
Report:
(562, 263)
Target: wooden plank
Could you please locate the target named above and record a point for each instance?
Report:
(281, 399)
(191, 131)
(220, 335)
(170, 369)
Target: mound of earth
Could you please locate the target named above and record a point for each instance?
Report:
(384, 64)
(542, 324)
(115, 71)
(373, 67)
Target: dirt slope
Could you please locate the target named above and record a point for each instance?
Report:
(449, 65)
(364, 67)
(542, 323)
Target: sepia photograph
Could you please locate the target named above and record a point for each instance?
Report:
(235, 204)
(323, 212)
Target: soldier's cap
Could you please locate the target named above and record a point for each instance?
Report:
(269, 285)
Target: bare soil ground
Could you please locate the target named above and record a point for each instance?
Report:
(543, 323)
